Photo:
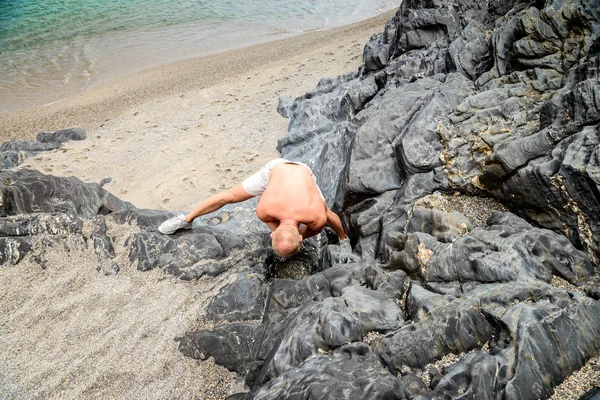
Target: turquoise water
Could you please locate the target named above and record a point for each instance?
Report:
(50, 49)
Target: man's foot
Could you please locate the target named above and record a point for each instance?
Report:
(174, 224)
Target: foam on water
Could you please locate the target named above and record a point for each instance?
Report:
(51, 49)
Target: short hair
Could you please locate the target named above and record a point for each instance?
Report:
(286, 241)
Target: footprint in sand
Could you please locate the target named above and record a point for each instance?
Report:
(189, 182)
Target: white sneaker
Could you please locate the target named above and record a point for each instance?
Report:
(174, 224)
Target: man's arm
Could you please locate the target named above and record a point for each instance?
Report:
(336, 224)
(272, 225)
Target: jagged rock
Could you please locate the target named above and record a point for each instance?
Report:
(453, 328)
(331, 255)
(592, 394)
(397, 137)
(495, 98)
(351, 372)
(415, 388)
(474, 375)
(319, 314)
(241, 300)
(104, 249)
(193, 254)
(521, 317)
(14, 152)
(507, 249)
(445, 227)
(41, 224)
(327, 155)
(61, 136)
(28, 191)
(234, 346)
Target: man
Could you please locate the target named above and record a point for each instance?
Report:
(291, 205)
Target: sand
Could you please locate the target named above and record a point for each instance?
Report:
(171, 136)
(168, 137)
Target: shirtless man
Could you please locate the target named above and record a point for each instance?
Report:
(291, 205)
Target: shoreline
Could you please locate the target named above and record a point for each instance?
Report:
(110, 99)
(168, 137)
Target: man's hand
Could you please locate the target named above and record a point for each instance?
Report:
(345, 245)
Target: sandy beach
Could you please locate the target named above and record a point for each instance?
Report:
(168, 138)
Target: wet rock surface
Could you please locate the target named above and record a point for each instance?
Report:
(496, 102)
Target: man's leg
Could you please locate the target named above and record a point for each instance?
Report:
(213, 203)
(234, 195)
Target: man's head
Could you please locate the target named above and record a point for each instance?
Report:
(286, 240)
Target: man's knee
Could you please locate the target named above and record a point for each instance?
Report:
(234, 195)
(225, 198)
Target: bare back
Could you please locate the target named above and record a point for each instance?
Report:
(292, 194)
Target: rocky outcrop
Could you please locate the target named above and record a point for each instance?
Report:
(488, 99)
(14, 152)
(494, 99)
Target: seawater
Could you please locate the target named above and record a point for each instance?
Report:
(51, 49)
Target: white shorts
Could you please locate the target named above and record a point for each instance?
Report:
(257, 183)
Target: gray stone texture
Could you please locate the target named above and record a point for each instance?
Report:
(14, 152)
(494, 99)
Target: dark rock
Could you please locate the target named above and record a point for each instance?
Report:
(543, 355)
(61, 136)
(507, 249)
(41, 224)
(105, 181)
(496, 99)
(414, 387)
(318, 314)
(376, 53)
(27, 191)
(593, 394)
(234, 346)
(331, 255)
(177, 255)
(444, 227)
(13, 249)
(241, 300)
(470, 53)
(104, 249)
(14, 152)
(473, 376)
(351, 372)
(452, 328)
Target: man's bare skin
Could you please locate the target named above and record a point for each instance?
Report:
(291, 203)
(292, 197)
